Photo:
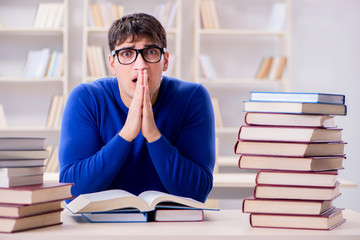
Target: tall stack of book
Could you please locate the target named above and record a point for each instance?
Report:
(292, 140)
(27, 202)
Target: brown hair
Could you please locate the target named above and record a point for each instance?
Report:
(135, 25)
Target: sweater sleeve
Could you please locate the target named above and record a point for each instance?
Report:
(186, 167)
(83, 158)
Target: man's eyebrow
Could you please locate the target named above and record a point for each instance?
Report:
(151, 45)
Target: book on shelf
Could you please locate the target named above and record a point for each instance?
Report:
(208, 14)
(14, 163)
(217, 112)
(327, 221)
(277, 67)
(288, 119)
(289, 134)
(21, 171)
(294, 149)
(10, 225)
(53, 161)
(55, 111)
(282, 206)
(23, 154)
(311, 97)
(296, 192)
(103, 14)
(49, 15)
(23, 143)
(32, 194)
(110, 200)
(24, 210)
(3, 123)
(290, 163)
(207, 66)
(297, 178)
(277, 20)
(15, 181)
(96, 61)
(295, 107)
(165, 12)
(264, 68)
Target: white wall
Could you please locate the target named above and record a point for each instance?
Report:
(325, 51)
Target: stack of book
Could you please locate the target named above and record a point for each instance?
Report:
(25, 201)
(292, 139)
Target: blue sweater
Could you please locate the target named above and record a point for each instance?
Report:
(94, 157)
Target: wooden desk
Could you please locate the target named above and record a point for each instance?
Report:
(225, 224)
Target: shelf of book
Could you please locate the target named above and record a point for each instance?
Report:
(241, 32)
(97, 17)
(26, 96)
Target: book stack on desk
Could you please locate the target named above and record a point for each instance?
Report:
(25, 201)
(292, 139)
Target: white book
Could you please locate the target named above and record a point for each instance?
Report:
(7, 182)
(3, 123)
(52, 111)
(59, 111)
(21, 171)
(59, 17)
(100, 57)
(172, 15)
(44, 57)
(277, 18)
(22, 143)
(40, 13)
(26, 70)
(207, 66)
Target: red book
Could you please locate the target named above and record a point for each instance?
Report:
(326, 221)
(296, 149)
(297, 178)
(289, 134)
(36, 193)
(290, 163)
(282, 206)
(296, 192)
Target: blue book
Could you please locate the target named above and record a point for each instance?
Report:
(297, 97)
(116, 216)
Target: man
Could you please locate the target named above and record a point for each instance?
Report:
(139, 130)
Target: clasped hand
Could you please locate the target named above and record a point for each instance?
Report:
(140, 116)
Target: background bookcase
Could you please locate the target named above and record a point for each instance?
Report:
(26, 101)
(97, 36)
(236, 48)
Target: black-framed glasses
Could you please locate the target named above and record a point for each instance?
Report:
(127, 56)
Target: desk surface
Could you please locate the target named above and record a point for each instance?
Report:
(225, 224)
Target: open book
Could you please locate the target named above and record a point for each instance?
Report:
(120, 202)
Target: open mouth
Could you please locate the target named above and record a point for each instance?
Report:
(134, 80)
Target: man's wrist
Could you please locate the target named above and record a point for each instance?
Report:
(153, 138)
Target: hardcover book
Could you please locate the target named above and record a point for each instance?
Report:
(297, 97)
(290, 163)
(289, 134)
(8, 143)
(118, 199)
(289, 148)
(295, 107)
(36, 193)
(280, 206)
(24, 210)
(9, 225)
(326, 221)
(296, 192)
(296, 178)
(288, 119)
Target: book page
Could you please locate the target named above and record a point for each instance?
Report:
(154, 198)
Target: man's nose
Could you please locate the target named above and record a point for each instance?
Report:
(140, 63)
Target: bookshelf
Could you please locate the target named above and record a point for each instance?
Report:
(26, 98)
(95, 34)
(243, 31)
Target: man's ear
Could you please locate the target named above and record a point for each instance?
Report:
(166, 61)
(112, 65)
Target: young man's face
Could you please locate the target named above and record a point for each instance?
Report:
(127, 74)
